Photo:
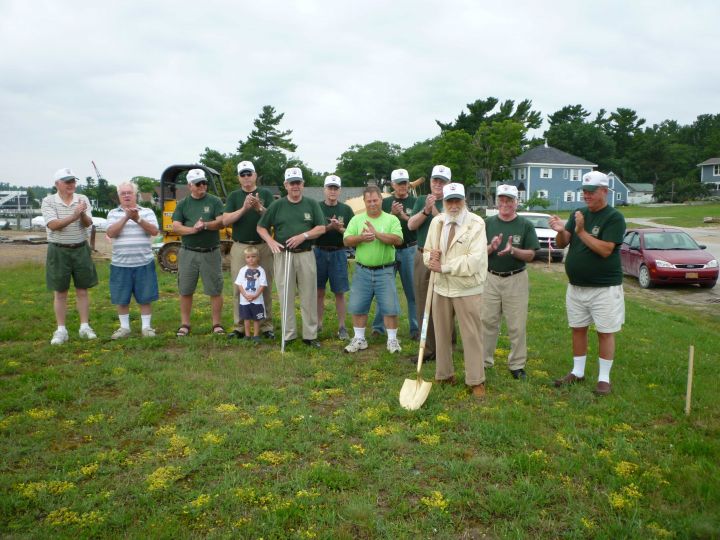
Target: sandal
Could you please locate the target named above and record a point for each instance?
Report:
(218, 329)
(183, 331)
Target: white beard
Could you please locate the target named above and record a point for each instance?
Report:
(455, 218)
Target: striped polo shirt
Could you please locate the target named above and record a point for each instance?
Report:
(133, 247)
(53, 208)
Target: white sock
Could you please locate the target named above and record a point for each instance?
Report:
(62, 328)
(391, 333)
(605, 367)
(124, 321)
(579, 366)
(359, 333)
(145, 320)
(84, 326)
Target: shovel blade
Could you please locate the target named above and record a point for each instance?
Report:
(413, 393)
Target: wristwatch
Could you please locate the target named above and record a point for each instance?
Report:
(306, 235)
(425, 213)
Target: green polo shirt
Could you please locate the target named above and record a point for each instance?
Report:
(343, 213)
(289, 218)
(245, 228)
(423, 229)
(583, 266)
(190, 210)
(523, 237)
(408, 204)
(374, 253)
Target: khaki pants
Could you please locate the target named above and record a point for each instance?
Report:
(303, 278)
(421, 282)
(468, 310)
(237, 261)
(506, 296)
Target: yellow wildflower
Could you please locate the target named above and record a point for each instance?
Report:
(622, 427)
(435, 501)
(275, 423)
(658, 531)
(358, 449)
(244, 419)
(201, 501)
(442, 417)
(180, 446)
(212, 437)
(430, 440)
(625, 469)
(226, 408)
(162, 477)
(89, 470)
(275, 458)
(603, 453)
(304, 493)
(539, 455)
(632, 491)
(297, 419)
(165, 431)
(589, 524)
(374, 414)
(562, 441)
(41, 414)
(119, 371)
(95, 418)
(30, 490)
(64, 516)
(12, 363)
(268, 410)
(323, 376)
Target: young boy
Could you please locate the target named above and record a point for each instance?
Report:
(250, 284)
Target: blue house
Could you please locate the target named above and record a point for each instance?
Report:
(710, 173)
(557, 176)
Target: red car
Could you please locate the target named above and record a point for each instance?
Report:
(666, 256)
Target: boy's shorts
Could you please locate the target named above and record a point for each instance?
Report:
(252, 312)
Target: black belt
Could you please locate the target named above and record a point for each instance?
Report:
(249, 242)
(330, 248)
(298, 250)
(409, 244)
(200, 250)
(506, 274)
(376, 267)
(69, 246)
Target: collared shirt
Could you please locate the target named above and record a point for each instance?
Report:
(54, 208)
(446, 228)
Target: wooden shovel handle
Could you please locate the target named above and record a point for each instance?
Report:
(428, 305)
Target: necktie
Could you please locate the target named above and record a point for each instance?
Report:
(451, 235)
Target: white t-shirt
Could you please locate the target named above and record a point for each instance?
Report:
(251, 279)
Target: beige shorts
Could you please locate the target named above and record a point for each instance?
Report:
(603, 306)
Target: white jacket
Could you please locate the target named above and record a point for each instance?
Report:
(464, 264)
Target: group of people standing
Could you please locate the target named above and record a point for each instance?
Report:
(477, 268)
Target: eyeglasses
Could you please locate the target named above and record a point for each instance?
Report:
(203, 183)
(244, 174)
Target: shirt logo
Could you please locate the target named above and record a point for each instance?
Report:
(307, 216)
(595, 231)
(206, 209)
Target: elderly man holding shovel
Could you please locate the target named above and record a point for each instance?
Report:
(456, 251)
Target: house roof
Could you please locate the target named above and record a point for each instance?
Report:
(547, 155)
(641, 187)
(711, 161)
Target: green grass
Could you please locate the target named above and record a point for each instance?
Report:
(686, 215)
(198, 437)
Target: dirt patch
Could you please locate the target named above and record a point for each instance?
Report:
(19, 252)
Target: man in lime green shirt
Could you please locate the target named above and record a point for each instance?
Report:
(374, 235)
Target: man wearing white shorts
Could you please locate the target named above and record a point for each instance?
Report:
(595, 293)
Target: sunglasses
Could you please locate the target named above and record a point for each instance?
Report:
(245, 174)
(203, 183)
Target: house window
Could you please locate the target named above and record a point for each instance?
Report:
(618, 196)
(575, 175)
(566, 174)
(522, 174)
(542, 194)
(569, 196)
(545, 173)
(716, 170)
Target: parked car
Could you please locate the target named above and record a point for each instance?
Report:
(666, 256)
(546, 236)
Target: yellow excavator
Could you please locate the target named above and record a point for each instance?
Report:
(169, 187)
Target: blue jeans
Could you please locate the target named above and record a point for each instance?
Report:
(405, 258)
(378, 283)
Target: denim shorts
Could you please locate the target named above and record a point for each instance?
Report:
(374, 283)
(138, 281)
(332, 265)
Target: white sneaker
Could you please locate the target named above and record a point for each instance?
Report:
(120, 333)
(357, 344)
(87, 333)
(59, 337)
(393, 346)
(148, 332)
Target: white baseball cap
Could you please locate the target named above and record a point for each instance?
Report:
(196, 175)
(453, 191)
(292, 174)
(64, 175)
(442, 172)
(506, 190)
(593, 180)
(399, 175)
(245, 166)
(332, 180)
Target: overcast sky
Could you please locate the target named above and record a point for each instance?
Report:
(137, 86)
